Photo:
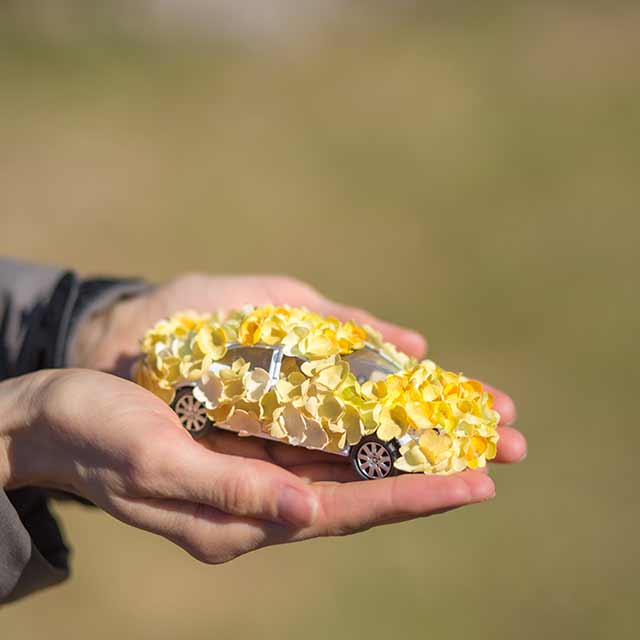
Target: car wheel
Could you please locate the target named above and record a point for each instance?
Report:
(191, 412)
(373, 458)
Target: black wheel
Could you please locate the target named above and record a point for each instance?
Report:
(191, 412)
(372, 458)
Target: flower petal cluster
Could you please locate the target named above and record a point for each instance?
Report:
(444, 420)
(301, 332)
(448, 417)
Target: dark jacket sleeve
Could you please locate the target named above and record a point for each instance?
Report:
(39, 310)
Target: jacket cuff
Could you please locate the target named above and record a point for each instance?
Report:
(52, 326)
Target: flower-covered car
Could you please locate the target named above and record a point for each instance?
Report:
(294, 376)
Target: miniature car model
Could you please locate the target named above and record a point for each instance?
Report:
(290, 375)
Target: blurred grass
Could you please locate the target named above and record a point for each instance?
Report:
(470, 174)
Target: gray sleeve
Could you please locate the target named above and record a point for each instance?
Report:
(24, 293)
(33, 553)
(25, 568)
(24, 289)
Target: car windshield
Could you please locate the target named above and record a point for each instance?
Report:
(368, 364)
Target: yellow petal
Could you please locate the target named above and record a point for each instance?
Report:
(434, 445)
(312, 367)
(331, 377)
(277, 430)
(352, 425)
(255, 384)
(249, 332)
(268, 404)
(330, 408)
(315, 436)
(292, 423)
(393, 423)
(412, 459)
(419, 414)
(208, 390)
(244, 422)
(221, 413)
(476, 447)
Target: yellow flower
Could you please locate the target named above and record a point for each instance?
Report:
(249, 331)
(212, 341)
(435, 445)
(350, 337)
(144, 377)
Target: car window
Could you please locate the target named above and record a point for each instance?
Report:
(368, 364)
(256, 356)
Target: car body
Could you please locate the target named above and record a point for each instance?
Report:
(290, 375)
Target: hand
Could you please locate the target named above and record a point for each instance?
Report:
(110, 441)
(110, 341)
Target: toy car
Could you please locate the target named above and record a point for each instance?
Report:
(290, 375)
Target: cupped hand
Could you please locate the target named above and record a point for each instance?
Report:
(230, 486)
(114, 443)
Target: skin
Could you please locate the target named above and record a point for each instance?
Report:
(88, 431)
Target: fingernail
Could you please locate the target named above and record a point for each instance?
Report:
(297, 507)
(482, 488)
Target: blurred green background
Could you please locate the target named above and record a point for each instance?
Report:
(470, 172)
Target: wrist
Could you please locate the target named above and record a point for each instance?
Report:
(23, 443)
(89, 335)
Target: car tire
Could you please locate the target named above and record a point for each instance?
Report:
(191, 412)
(373, 458)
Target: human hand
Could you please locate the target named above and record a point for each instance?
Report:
(116, 444)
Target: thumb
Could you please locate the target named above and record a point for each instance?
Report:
(235, 485)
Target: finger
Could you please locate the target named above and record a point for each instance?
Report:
(206, 533)
(213, 536)
(406, 340)
(235, 485)
(503, 404)
(356, 506)
(512, 445)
